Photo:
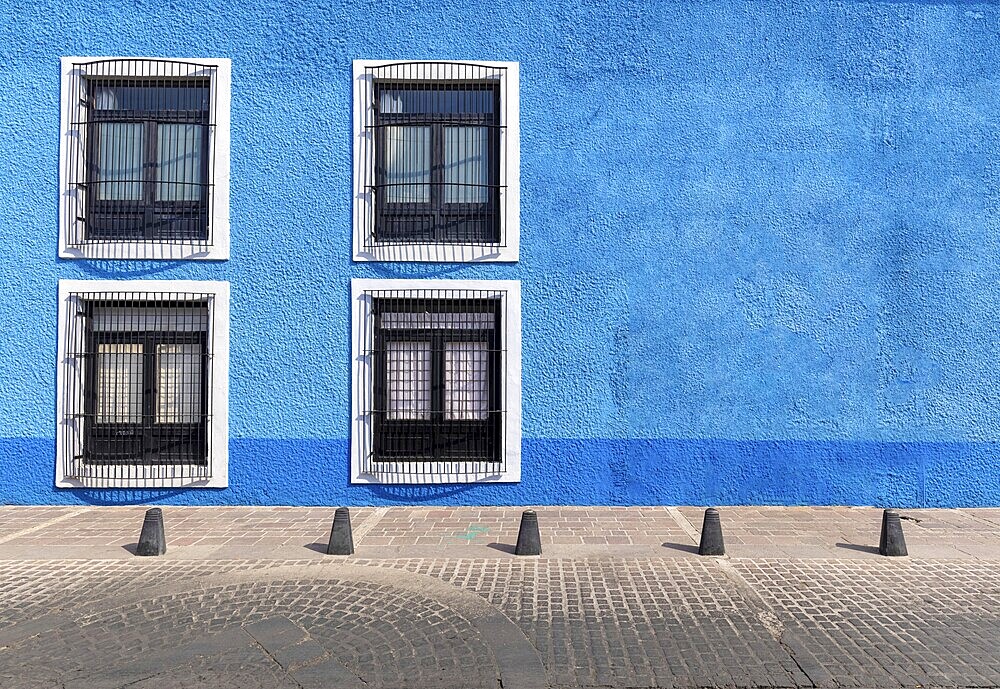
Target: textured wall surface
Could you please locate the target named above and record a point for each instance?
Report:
(758, 252)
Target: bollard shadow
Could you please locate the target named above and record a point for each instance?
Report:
(860, 548)
(318, 547)
(683, 547)
(131, 547)
(502, 547)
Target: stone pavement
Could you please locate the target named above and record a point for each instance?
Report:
(434, 597)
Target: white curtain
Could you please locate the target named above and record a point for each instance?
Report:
(466, 381)
(119, 383)
(408, 379)
(119, 160)
(466, 164)
(178, 383)
(178, 148)
(408, 164)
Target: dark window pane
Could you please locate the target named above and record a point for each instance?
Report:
(148, 382)
(437, 372)
(436, 101)
(438, 163)
(149, 160)
(151, 97)
(406, 227)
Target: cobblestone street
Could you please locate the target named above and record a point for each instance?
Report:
(245, 598)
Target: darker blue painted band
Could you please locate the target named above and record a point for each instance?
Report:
(636, 472)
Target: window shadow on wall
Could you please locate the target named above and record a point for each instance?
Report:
(103, 497)
(417, 494)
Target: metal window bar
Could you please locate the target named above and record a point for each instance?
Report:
(143, 165)
(438, 131)
(437, 406)
(138, 394)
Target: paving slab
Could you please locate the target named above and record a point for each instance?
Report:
(296, 532)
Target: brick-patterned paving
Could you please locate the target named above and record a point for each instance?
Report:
(783, 526)
(233, 531)
(962, 527)
(14, 519)
(259, 526)
(435, 526)
(830, 532)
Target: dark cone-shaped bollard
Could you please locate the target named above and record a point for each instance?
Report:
(711, 534)
(341, 538)
(891, 542)
(528, 540)
(152, 541)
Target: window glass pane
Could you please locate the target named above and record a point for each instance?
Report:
(107, 98)
(436, 101)
(119, 160)
(178, 155)
(119, 383)
(411, 320)
(178, 383)
(408, 164)
(466, 376)
(408, 380)
(466, 164)
(169, 96)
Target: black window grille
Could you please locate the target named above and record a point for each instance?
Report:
(439, 169)
(438, 380)
(138, 398)
(143, 166)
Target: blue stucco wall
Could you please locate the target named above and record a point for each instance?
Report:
(758, 253)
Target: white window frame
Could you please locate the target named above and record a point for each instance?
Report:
(362, 381)
(71, 141)
(364, 177)
(69, 432)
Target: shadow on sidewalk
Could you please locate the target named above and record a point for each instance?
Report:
(683, 547)
(860, 548)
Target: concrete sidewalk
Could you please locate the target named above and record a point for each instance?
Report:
(490, 532)
(433, 597)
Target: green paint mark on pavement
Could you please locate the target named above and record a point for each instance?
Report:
(473, 531)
